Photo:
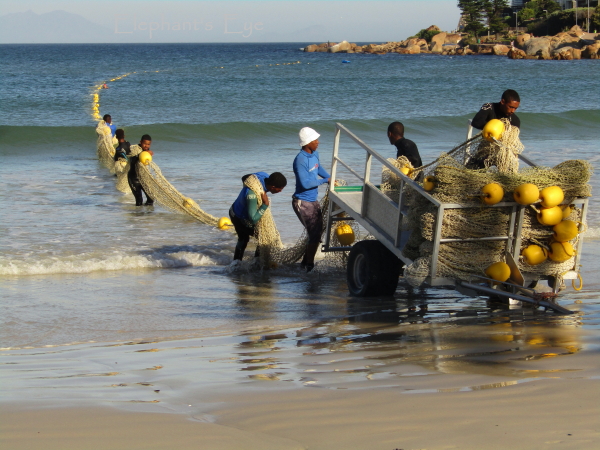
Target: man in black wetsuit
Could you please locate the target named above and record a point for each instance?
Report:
(132, 176)
(405, 147)
(505, 109)
(509, 103)
(123, 150)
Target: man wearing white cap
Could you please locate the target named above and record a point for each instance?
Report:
(309, 176)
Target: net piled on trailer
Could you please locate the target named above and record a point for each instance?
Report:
(456, 184)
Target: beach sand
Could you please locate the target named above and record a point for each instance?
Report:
(543, 414)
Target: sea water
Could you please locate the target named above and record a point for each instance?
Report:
(79, 263)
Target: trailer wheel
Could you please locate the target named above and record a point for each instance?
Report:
(372, 270)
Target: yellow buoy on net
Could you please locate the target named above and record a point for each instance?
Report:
(145, 158)
(561, 251)
(429, 183)
(551, 196)
(345, 234)
(224, 223)
(534, 254)
(189, 203)
(565, 231)
(499, 271)
(526, 194)
(492, 193)
(493, 130)
(550, 216)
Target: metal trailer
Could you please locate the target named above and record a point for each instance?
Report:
(374, 265)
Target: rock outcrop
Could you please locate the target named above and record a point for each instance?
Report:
(572, 44)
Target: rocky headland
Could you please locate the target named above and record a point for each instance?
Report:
(568, 45)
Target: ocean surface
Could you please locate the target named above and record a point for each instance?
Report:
(82, 268)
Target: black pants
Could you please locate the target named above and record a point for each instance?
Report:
(244, 233)
(137, 189)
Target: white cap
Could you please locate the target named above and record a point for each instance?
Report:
(307, 135)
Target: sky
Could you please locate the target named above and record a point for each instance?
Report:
(83, 21)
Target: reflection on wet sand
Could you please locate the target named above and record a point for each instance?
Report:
(382, 342)
(418, 341)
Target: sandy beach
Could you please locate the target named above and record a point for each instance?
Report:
(547, 414)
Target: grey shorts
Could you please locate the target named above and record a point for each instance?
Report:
(311, 217)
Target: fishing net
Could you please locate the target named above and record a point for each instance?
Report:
(105, 145)
(165, 194)
(456, 184)
(272, 251)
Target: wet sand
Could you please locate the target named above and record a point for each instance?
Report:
(424, 370)
(545, 414)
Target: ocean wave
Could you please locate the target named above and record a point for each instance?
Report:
(121, 261)
(576, 123)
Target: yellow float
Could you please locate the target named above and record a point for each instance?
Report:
(552, 196)
(534, 255)
(429, 183)
(561, 251)
(526, 194)
(345, 234)
(492, 193)
(493, 130)
(550, 216)
(499, 271)
(145, 158)
(224, 223)
(565, 231)
(566, 209)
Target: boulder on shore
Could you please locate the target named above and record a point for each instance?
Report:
(521, 39)
(437, 43)
(343, 46)
(500, 50)
(538, 47)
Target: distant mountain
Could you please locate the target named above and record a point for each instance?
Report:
(56, 27)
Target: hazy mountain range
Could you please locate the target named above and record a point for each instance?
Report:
(58, 27)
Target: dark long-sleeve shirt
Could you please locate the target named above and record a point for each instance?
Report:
(491, 111)
(408, 148)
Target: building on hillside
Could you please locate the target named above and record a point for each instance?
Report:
(517, 5)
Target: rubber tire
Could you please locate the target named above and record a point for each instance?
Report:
(372, 270)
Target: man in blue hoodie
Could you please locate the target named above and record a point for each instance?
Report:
(309, 176)
(245, 212)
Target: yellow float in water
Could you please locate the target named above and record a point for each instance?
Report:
(561, 251)
(534, 255)
(225, 223)
(493, 130)
(145, 158)
(499, 271)
(345, 234)
(552, 196)
(565, 231)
